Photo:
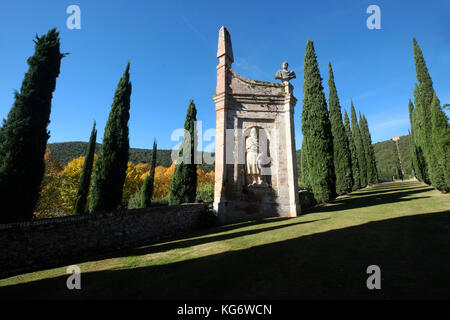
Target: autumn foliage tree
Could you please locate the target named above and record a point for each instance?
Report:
(49, 204)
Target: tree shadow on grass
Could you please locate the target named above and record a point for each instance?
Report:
(367, 199)
(205, 237)
(411, 251)
(380, 189)
(179, 242)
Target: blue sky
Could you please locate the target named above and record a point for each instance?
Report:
(172, 48)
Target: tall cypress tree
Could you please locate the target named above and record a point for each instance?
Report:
(423, 97)
(365, 146)
(85, 180)
(111, 166)
(316, 129)
(359, 148)
(183, 187)
(24, 135)
(440, 149)
(353, 153)
(341, 156)
(147, 188)
(372, 176)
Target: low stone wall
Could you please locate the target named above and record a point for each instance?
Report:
(46, 243)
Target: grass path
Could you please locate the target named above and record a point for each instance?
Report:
(402, 227)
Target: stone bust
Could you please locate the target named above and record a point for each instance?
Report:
(285, 74)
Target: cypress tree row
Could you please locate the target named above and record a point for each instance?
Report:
(24, 135)
(372, 176)
(111, 166)
(85, 180)
(359, 148)
(147, 188)
(353, 153)
(341, 155)
(316, 130)
(183, 187)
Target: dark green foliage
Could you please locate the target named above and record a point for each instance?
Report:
(24, 135)
(417, 161)
(316, 130)
(65, 152)
(298, 154)
(341, 156)
(427, 105)
(423, 96)
(85, 180)
(354, 154)
(305, 183)
(147, 188)
(183, 187)
(205, 192)
(359, 148)
(439, 157)
(111, 166)
(372, 176)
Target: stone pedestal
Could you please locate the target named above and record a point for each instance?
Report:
(243, 104)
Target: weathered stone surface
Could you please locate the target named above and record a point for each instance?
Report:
(56, 242)
(243, 104)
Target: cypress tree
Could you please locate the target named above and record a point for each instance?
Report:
(359, 148)
(183, 187)
(423, 97)
(341, 155)
(353, 153)
(372, 177)
(419, 150)
(111, 166)
(147, 188)
(24, 135)
(440, 151)
(365, 146)
(416, 164)
(304, 166)
(316, 129)
(85, 180)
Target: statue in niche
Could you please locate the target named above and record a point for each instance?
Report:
(285, 74)
(253, 160)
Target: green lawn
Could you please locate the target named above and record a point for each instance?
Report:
(402, 227)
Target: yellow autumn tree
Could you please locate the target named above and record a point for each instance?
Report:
(134, 180)
(204, 178)
(163, 178)
(70, 181)
(49, 204)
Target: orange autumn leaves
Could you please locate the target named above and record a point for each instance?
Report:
(59, 186)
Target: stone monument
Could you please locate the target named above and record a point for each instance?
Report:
(256, 167)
